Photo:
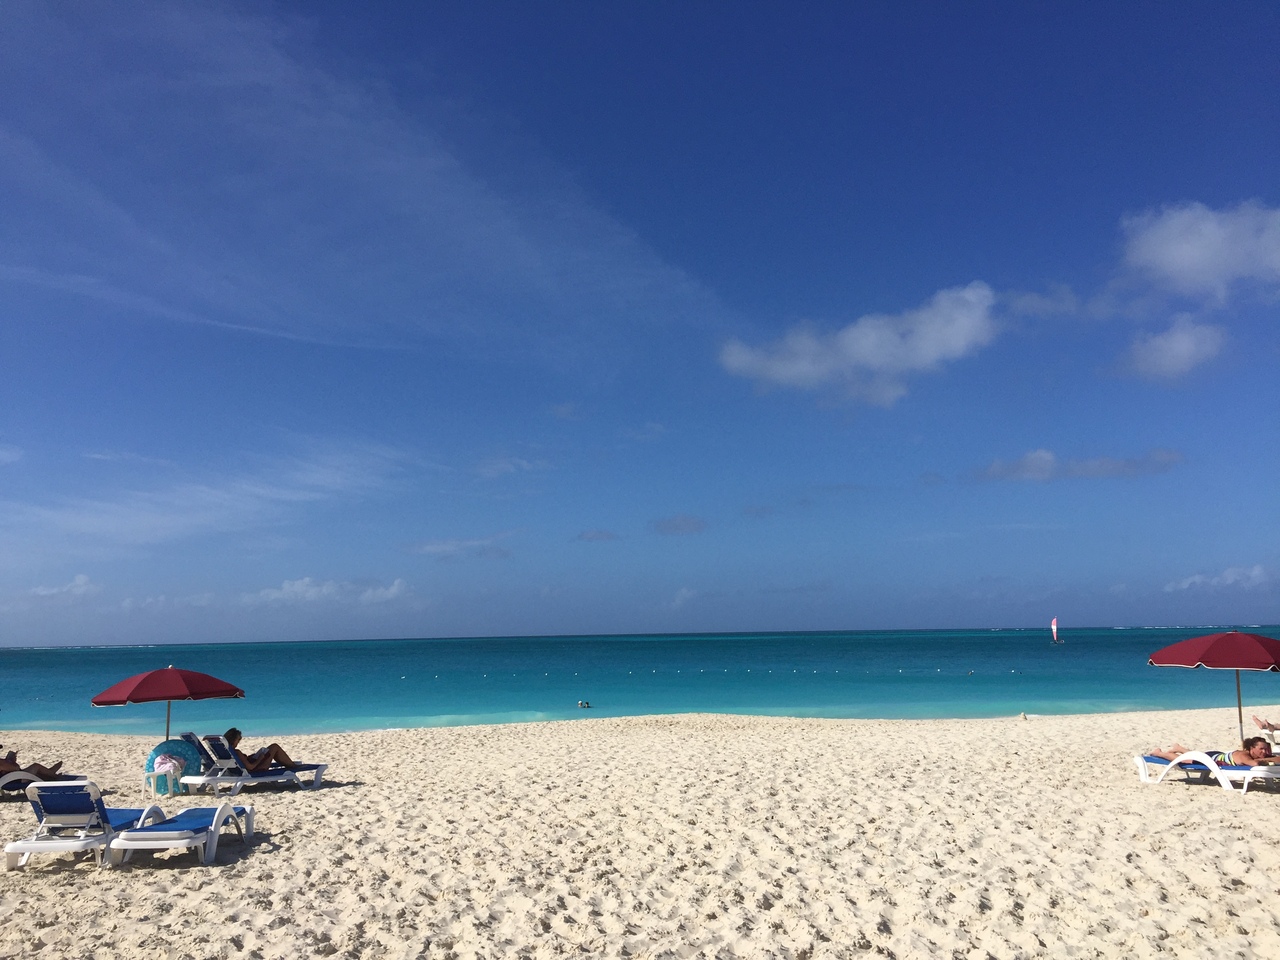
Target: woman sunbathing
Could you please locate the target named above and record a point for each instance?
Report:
(1256, 751)
(9, 764)
(260, 759)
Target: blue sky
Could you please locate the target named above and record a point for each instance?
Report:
(494, 319)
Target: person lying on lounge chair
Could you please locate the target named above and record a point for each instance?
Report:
(1266, 725)
(9, 764)
(260, 759)
(1256, 751)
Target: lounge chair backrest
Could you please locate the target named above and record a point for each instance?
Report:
(67, 805)
(223, 756)
(206, 758)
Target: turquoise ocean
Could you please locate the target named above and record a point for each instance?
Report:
(329, 686)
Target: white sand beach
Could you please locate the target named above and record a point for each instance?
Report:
(686, 836)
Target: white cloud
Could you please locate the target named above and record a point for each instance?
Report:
(307, 590)
(1193, 249)
(1185, 345)
(397, 589)
(80, 586)
(9, 454)
(872, 357)
(162, 602)
(1244, 578)
(1043, 465)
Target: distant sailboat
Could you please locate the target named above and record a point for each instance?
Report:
(1053, 625)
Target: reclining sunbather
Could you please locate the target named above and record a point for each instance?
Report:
(260, 759)
(9, 764)
(1256, 750)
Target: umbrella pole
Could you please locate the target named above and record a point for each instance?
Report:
(168, 708)
(1239, 709)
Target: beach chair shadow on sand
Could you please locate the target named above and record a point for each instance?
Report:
(196, 828)
(1199, 767)
(222, 771)
(73, 819)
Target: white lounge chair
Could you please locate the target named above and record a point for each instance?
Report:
(196, 827)
(225, 772)
(1199, 766)
(73, 819)
(15, 784)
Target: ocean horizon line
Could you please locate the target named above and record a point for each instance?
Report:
(641, 635)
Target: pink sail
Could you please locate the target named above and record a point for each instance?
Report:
(1053, 625)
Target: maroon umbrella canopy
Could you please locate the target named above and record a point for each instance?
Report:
(1223, 651)
(168, 684)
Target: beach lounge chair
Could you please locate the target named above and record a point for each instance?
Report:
(1200, 767)
(225, 772)
(206, 758)
(196, 827)
(73, 819)
(15, 784)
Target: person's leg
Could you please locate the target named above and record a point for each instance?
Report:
(275, 754)
(43, 772)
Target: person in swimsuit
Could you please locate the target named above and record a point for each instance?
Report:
(1256, 752)
(260, 759)
(9, 764)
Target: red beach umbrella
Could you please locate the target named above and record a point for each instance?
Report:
(169, 684)
(1223, 651)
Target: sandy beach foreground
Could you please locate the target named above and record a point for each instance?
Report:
(687, 836)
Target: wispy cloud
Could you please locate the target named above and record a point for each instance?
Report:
(1193, 249)
(1059, 299)
(679, 525)
(141, 517)
(9, 454)
(597, 536)
(648, 433)
(683, 597)
(1176, 351)
(500, 466)
(306, 591)
(1042, 466)
(351, 219)
(1243, 578)
(489, 548)
(872, 358)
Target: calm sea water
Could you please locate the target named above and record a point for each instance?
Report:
(371, 684)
